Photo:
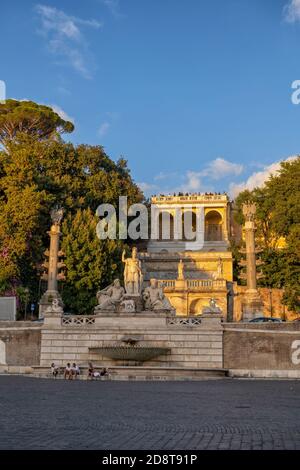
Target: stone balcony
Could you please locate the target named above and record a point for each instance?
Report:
(209, 285)
(191, 198)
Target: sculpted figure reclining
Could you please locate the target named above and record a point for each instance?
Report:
(155, 298)
(110, 297)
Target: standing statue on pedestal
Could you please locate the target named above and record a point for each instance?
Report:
(180, 271)
(110, 297)
(219, 269)
(155, 298)
(133, 277)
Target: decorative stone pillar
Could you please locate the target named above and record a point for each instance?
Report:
(53, 265)
(252, 304)
(226, 224)
(178, 226)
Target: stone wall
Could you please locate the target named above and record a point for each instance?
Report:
(198, 345)
(272, 300)
(262, 347)
(258, 350)
(197, 264)
(20, 343)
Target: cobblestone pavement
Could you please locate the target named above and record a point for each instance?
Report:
(210, 414)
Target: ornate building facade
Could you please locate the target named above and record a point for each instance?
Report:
(192, 229)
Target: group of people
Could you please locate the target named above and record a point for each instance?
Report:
(73, 371)
(94, 374)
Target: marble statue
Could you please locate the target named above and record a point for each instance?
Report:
(155, 298)
(55, 307)
(212, 308)
(220, 269)
(133, 277)
(213, 303)
(110, 297)
(180, 270)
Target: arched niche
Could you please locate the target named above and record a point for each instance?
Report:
(213, 226)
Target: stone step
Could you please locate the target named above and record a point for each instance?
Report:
(143, 373)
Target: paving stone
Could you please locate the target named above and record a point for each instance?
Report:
(209, 414)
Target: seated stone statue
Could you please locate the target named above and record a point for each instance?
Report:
(155, 298)
(212, 308)
(110, 297)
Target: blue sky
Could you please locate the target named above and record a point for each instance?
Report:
(195, 94)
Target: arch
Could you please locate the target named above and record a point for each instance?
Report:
(213, 226)
(166, 226)
(196, 306)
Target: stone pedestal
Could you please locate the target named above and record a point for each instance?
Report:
(252, 306)
(129, 301)
(46, 301)
(52, 319)
(211, 320)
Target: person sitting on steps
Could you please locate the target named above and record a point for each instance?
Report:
(68, 372)
(54, 370)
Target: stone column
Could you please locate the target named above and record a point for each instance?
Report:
(252, 304)
(178, 226)
(225, 234)
(198, 244)
(53, 264)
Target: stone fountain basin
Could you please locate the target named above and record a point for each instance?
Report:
(131, 353)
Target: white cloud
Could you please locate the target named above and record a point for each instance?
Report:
(257, 179)
(146, 187)
(162, 175)
(65, 37)
(113, 6)
(220, 168)
(291, 11)
(103, 129)
(57, 109)
(195, 181)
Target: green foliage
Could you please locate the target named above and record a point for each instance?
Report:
(278, 215)
(27, 117)
(265, 233)
(236, 255)
(38, 172)
(91, 263)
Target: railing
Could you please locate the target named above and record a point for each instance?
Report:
(195, 283)
(191, 197)
(184, 321)
(168, 282)
(77, 320)
(213, 233)
(205, 283)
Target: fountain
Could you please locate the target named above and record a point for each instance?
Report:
(130, 352)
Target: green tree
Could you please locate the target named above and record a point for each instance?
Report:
(277, 220)
(37, 172)
(91, 263)
(27, 117)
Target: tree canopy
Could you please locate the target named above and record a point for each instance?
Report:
(278, 229)
(27, 117)
(38, 172)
